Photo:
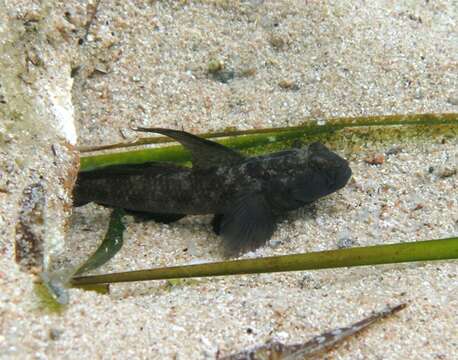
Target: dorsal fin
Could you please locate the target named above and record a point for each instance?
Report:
(205, 153)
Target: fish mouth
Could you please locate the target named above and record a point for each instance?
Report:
(345, 175)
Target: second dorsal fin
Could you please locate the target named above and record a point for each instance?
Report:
(205, 153)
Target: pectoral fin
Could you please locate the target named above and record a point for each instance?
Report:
(205, 153)
(246, 224)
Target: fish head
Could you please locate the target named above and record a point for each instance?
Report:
(321, 173)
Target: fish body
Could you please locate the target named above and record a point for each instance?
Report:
(246, 195)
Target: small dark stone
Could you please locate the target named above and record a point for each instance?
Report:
(415, 18)
(74, 71)
(55, 334)
(224, 76)
(394, 150)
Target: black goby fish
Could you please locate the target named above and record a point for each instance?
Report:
(247, 195)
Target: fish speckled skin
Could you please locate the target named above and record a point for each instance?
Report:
(247, 195)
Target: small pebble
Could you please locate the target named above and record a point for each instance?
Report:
(277, 42)
(215, 65)
(32, 16)
(248, 72)
(453, 99)
(55, 334)
(224, 76)
(345, 242)
(418, 207)
(376, 159)
(394, 150)
(288, 85)
(446, 172)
